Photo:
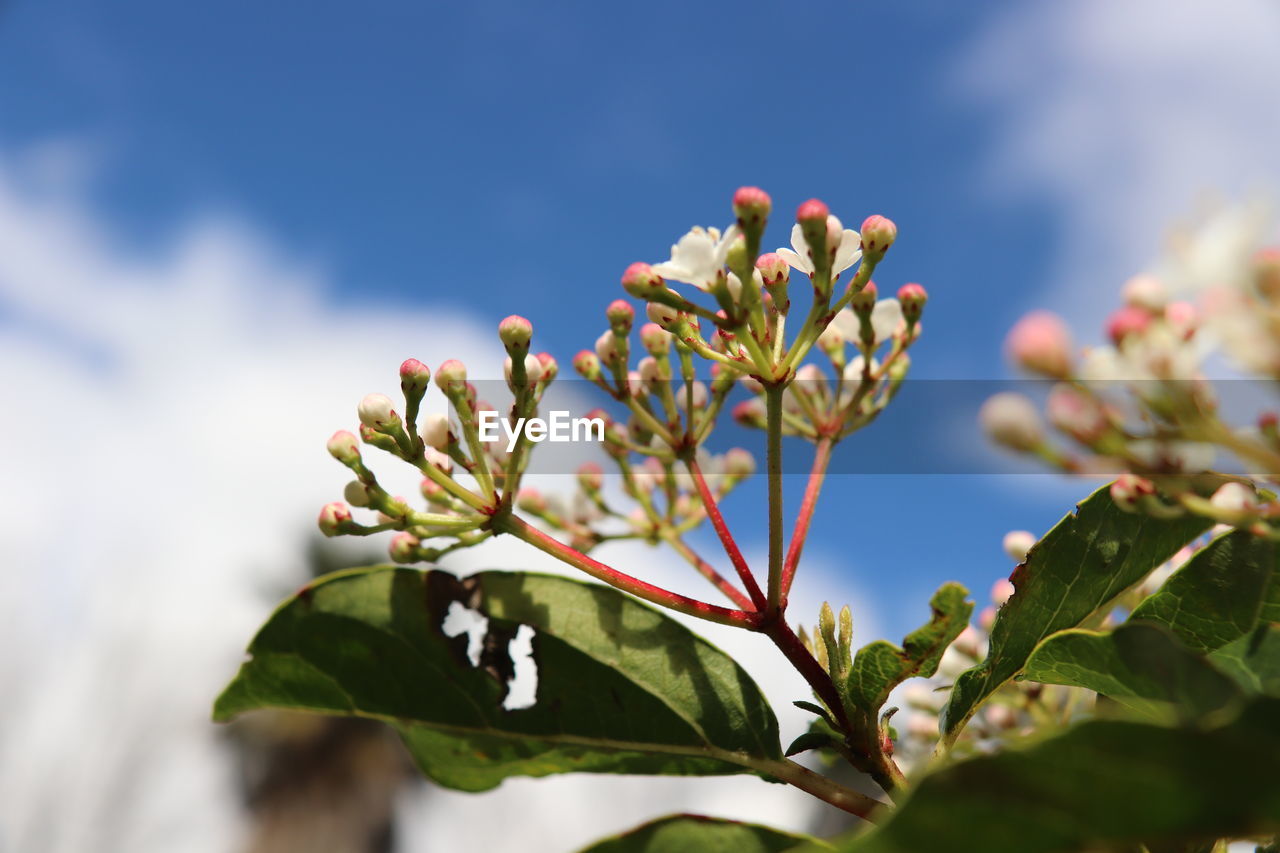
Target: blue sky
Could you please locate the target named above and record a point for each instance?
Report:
(240, 215)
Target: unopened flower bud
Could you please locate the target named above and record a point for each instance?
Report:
(404, 547)
(642, 282)
(620, 315)
(813, 213)
(655, 339)
(531, 501)
(1182, 318)
(380, 440)
(664, 316)
(750, 413)
(414, 378)
(607, 348)
(912, 297)
(550, 368)
(515, 332)
(1011, 419)
(451, 378)
(1145, 292)
(1017, 543)
(1126, 322)
(1076, 413)
(878, 233)
(1235, 498)
(432, 491)
(864, 300)
(333, 517)
(1040, 342)
(376, 412)
(587, 364)
(739, 463)
(356, 493)
(590, 477)
(812, 218)
(1003, 589)
(532, 370)
(1129, 489)
(987, 618)
(846, 628)
(435, 431)
(773, 269)
(752, 206)
(344, 447)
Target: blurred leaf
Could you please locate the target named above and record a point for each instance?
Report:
(881, 666)
(1253, 660)
(621, 687)
(1102, 785)
(1136, 665)
(1080, 566)
(1220, 594)
(697, 834)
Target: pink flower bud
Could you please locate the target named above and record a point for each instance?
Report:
(1017, 543)
(515, 333)
(1145, 292)
(1011, 419)
(344, 447)
(987, 618)
(550, 369)
(813, 212)
(531, 500)
(1126, 322)
(451, 378)
(864, 300)
(356, 493)
(750, 413)
(773, 268)
(912, 296)
(404, 547)
(431, 490)
(664, 316)
(655, 339)
(1076, 413)
(1235, 498)
(607, 349)
(1040, 342)
(752, 206)
(878, 234)
(590, 477)
(739, 463)
(642, 282)
(587, 364)
(333, 518)
(1003, 589)
(1182, 318)
(414, 377)
(620, 315)
(532, 370)
(376, 412)
(1129, 489)
(435, 431)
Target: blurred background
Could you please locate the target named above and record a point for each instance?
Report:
(222, 224)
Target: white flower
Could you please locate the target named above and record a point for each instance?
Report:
(886, 319)
(1235, 498)
(848, 253)
(1182, 456)
(698, 258)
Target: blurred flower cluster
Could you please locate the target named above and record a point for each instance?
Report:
(1142, 406)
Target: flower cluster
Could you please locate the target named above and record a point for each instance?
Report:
(1141, 405)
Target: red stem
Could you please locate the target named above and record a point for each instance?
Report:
(726, 538)
(818, 475)
(708, 571)
(521, 529)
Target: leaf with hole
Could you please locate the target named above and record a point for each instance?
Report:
(621, 687)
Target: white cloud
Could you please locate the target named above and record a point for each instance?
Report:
(165, 419)
(1126, 116)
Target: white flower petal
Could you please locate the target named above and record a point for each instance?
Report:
(886, 317)
(849, 253)
(846, 323)
(799, 263)
(798, 242)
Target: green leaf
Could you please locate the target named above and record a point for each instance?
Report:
(621, 687)
(696, 834)
(1137, 664)
(1080, 566)
(1102, 785)
(1253, 660)
(1221, 593)
(881, 666)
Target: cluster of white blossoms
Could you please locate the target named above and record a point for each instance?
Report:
(1141, 405)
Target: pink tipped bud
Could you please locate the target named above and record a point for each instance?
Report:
(655, 339)
(813, 213)
(663, 315)
(435, 431)
(752, 206)
(987, 618)
(1076, 413)
(376, 412)
(1129, 489)
(878, 234)
(1017, 543)
(1182, 318)
(773, 268)
(532, 370)
(1235, 499)
(532, 501)
(1146, 292)
(1126, 322)
(750, 413)
(344, 447)
(864, 300)
(1011, 419)
(356, 493)
(912, 297)
(608, 348)
(1040, 342)
(739, 463)
(587, 364)
(404, 547)
(333, 518)
(620, 315)
(590, 477)
(414, 377)
(1002, 590)
(431, 490)
(642, 282)
(451, 378)
(550, 367)
(515, 333)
